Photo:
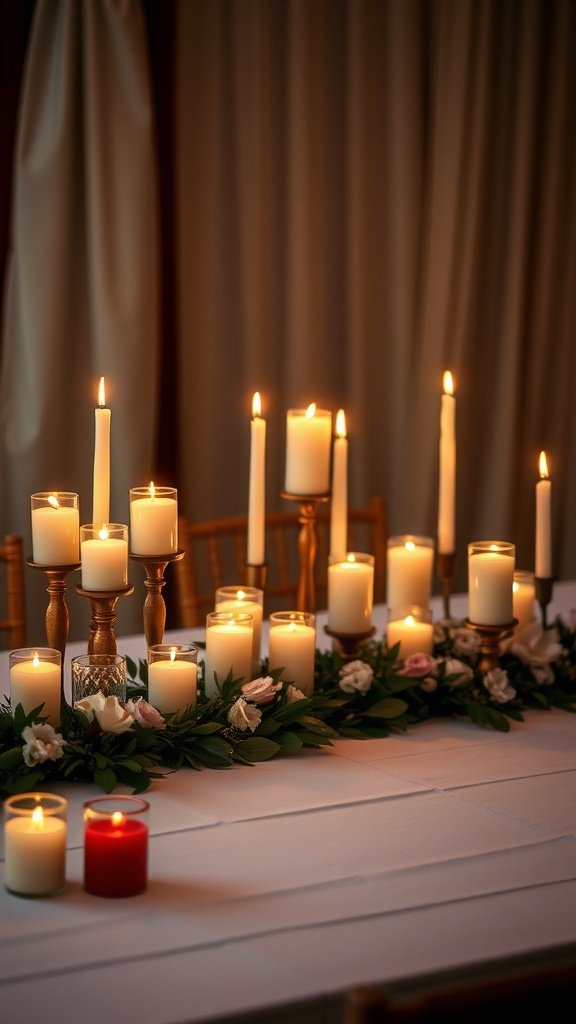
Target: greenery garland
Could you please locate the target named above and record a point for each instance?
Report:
(374, 696)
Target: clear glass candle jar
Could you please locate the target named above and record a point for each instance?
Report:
(172, 676)
(98, 673)
(35, 844)
(116, 837)
(55, 528)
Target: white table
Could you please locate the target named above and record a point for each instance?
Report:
(296, 879)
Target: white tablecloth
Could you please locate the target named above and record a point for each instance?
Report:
(375, 860)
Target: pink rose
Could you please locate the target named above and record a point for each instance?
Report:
(145, 714)
(261, 691)
(416, 666)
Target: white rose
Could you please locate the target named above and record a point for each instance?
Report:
(537, 648)
(293, 694)
(90, 705)
(42, 743)
(109, 714)
(454, 667)
(244, 715)
(356, 677)
(498, 685)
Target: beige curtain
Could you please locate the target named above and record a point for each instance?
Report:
(81, 297)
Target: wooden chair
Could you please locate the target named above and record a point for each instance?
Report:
(13, 621)
(215, 556)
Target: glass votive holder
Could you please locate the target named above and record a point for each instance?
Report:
(292, 646)
(55, 528)
(490, 578)
(411, 627)
(98, 673)
(35, 678)
(242, 598)
(228, 648)
(523, 597)
(153, 520)
(350, 593)
(308, 451)
(172, 676)
(409, 565)
(104, 557)
(35, 844)
(116, 845)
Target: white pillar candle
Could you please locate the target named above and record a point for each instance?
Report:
(413, 635)
(523, 598)
(339, 508)
(447, 482)
(351, 594)
(256, 497)
(409, 571)
(55, 528)
(245, 599)
(153, 520)
(104, 557)
(35, 846)
(35, 678)
(172, 677)
(308, 441)
(101, 490)
(490, 578)
(292, 647)
(543, 562)
(228, 648)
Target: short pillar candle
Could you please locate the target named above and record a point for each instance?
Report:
(35, 844)
(308, 450)
(35, 678)
(228, 648)
(244, 599)
(490, 578)
(523, 597)
(172, 676)
(104, 557)
(292, 646)
(351, 593)
(116, 846)
(409, 571)
(153, 520)
(412, 628)
(55, 528)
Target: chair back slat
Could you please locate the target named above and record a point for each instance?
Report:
(13, 621)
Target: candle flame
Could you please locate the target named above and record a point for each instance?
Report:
(410, 621)
(36, 659)
(410, 545)
(240, 595)
(350, 558)
(173, 653)
(53, 501)
(448, 383)
(340, 423)
(543, 466)
(38, 817)
(311, 411)
(152, 490)
(515, 586)
(117, 818)
(103, 533)
(101, 393)
(256, 405)
(494, 547)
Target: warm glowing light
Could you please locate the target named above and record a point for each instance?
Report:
(36, 659)
(256, 404)
(311, 411)
(103, 533)
(340, 423)
(410, 621)
(117, 818)
(515, 586)
(410, 545)
(493, 547)
(240, 595)
(172, 654)
(543, 466)
(448, 383)
(152, 490)
(38, 817)
(53, 501)
(350, 558)
(101, 393)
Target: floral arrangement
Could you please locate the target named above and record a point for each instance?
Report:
(109, 744)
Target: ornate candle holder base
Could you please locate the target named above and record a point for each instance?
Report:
(490, 637)
(348, 645)
(544, 586)
(102, 639)
(446, 567)
(306, 599)
(256, 575)
(154, 606)
(57, 615)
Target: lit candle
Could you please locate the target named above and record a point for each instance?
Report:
(35, 844)
(115, 846)
(543, 564)
(172, 677)
(351, 593)
(523, 598)
(409, 571)
(413, 635)
(101, 491)
(104, 557)
(339, 509)
(292, 645)
(308, 442)
(447, 486)
(35, 678)
(249, 600)
(228, 648)
(153, 520)
(256, 498)
(490, 578)
(55, 528)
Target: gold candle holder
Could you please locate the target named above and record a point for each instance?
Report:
(102, 639)
(57, 615)
(256, 575)
(490, 637)
(154, 605)
(348, 645)
(544, 586)
(446, 568)
(307, 545)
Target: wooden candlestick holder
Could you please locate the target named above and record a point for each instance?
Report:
(348, 645)
(544, 586)
(256, 575)
(446, 569)
(307, 545)
(154, 606)
(102, 639)
(57, 614)
(490, 637)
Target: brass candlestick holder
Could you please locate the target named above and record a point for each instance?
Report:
(307, 546)
(154, 605)
(544, 586)
(57, 615)
(256, 575)
(446, 568)
(102, 639)
(490, 637)
(348, 645)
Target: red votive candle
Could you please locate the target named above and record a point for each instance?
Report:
(116, 846)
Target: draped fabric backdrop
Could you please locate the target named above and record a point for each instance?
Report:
(323, 200)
